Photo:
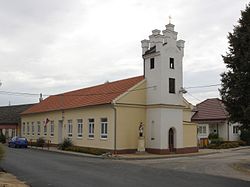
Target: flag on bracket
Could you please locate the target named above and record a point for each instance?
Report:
(46, 121)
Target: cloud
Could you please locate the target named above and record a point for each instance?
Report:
(60, 45)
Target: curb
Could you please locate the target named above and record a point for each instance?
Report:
(117, 157)
(67, 152)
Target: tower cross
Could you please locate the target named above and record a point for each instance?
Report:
(170, 19)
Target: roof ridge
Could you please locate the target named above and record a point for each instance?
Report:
(94, 95)
(97, 85)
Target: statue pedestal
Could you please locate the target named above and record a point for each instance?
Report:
(141, 144)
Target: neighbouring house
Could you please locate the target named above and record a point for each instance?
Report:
(140, 113)
(10, 119)
(212, 117)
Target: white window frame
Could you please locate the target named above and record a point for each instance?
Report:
(52, 128)
(203, 129)
(28, 128)
(104, 128)
(70, 128)
(13, 132)
(38, 128)
(91, 126)
(45, 129)
(23, 128)
(236, 129)
(79, 128)
(32, 128)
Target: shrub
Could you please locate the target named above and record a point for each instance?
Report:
(86, 150)
(213, 136)
(242, 143)
(40, 142)
(2, 138)
(245, 136)
(217, 141)
(66, 144)
(223, 145)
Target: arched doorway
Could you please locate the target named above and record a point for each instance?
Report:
(171, 140)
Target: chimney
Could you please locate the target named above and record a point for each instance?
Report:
(41, 97)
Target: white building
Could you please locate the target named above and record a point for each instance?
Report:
(212, 117)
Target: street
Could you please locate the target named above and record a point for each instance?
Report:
(42, 168)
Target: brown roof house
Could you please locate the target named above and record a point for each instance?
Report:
(143, 113)
(10, 119)
(212, 117)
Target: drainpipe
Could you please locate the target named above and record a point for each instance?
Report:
(115, 121)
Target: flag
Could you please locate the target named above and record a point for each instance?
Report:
(46, 121)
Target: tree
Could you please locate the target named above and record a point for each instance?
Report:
(235, 91)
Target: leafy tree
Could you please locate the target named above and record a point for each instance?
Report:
(235, 91)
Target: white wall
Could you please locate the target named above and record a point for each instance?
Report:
(163, 119)
(233, 136)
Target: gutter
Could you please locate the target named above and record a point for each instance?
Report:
(115, 121)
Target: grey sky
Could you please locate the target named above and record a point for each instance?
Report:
(53, 46)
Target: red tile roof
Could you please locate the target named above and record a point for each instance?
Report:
(209, 110)
(96, 95)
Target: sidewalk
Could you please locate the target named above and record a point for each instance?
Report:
(9, 180)
(141, 155)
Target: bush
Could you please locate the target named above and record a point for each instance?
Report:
(2, 138)
(245, 136)
(86, 150)
(213, 136)
(1, 152)
(66, 144)
(242, 143)
(217, 141)
(40, 142)
(223, 145)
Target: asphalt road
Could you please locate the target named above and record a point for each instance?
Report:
(41, 168)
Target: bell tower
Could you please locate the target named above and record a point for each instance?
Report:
(162, 54)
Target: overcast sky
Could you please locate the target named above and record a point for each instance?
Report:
(53, 46)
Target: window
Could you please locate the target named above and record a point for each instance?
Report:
(23, 128)
(202, 130)
(38, 128)
(32, 128)
(104, 128)
(28, 128)
(152, 63)
(236, 129)
(79, 128)
(171, 63)
(13, 132)
(45, 130)
(70, 128)
(52, 128)
(91, 128)
(171, 85)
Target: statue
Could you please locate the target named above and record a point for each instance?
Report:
(141, 130)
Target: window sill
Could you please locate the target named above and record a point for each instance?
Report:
(79, 137)
(90, 138)
(103, 139)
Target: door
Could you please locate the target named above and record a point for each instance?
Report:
(171, 140)
(60, 128)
